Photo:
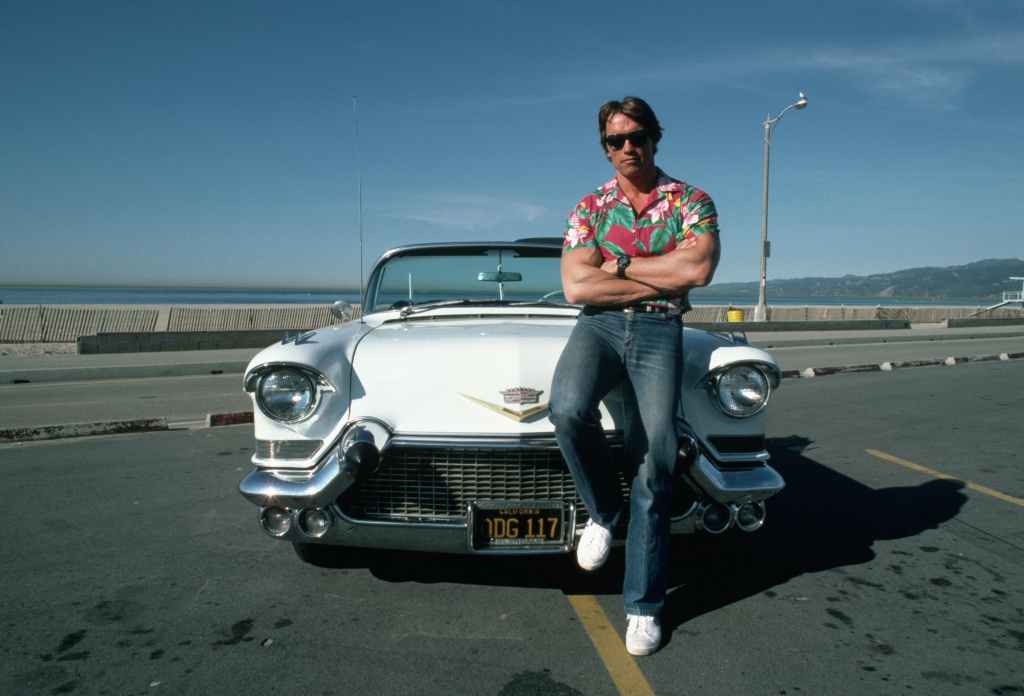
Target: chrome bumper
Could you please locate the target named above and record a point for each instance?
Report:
(736, 486)
(265, 488)
(428, 537)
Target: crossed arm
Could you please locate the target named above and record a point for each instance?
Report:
(588, 279)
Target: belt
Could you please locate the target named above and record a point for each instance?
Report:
(642, 308)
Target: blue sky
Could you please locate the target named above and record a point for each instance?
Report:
(211, 144)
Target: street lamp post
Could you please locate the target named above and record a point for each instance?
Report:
(761, 311)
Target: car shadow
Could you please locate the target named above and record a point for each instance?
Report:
(821, 520)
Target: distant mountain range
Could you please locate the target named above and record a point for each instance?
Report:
(981, 279)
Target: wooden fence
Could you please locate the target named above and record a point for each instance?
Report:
(248, 318)
(59, 324)
(64, 324)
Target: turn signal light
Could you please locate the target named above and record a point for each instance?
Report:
(314, 522)
(275, 521)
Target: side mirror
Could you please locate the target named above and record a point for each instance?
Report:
(340, 308)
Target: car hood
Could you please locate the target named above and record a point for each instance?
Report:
(448, 377)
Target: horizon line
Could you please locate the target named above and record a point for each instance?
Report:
(183, 287)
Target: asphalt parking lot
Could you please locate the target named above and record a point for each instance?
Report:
(178, 399)
(133, 566)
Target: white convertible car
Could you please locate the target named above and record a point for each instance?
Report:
(423, 425)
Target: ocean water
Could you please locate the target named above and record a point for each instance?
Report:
(170, 296)
(246, 296)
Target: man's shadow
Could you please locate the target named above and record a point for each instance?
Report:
(821, 520)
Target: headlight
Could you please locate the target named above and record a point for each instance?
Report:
(285, 394)
(742, 390)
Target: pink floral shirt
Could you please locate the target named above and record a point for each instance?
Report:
(674, 211)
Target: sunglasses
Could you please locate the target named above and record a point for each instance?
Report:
(616, 141)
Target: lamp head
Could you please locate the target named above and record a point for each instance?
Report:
(802, 102)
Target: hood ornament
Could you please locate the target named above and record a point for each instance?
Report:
(517, 416)
(521, 395)
(298, 338)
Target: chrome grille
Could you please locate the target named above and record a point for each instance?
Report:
(424, 484)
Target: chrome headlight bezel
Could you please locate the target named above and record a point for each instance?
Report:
(318, 384)
(712, 382)
(371, 430)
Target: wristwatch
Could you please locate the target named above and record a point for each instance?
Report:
(622, 262)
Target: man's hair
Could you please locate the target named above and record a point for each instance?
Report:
(638, 110)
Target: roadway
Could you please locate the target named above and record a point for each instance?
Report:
(188, 399)
(802, 357)
(179, 399)
(137, 568)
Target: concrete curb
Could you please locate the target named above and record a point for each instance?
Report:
(901, 364)
(804, 325)
(215, 419)
(822, 371)
(971, 358)
(908, 337)
(897, 365)
(157, 341)
(52, 432)
(77, 374)
(973, 322)
(137, 425)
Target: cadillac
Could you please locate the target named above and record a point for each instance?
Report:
(422, 425)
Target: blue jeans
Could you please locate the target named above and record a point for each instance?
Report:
(642, 353)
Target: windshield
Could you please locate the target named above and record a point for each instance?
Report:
(475, 274)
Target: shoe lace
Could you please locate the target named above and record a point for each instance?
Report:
(645, 625)
(592, 538)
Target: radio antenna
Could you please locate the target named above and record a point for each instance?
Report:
(359, 174)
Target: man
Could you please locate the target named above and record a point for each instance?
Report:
(633, 249)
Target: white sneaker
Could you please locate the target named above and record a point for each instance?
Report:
(595, 543)
(643, 636)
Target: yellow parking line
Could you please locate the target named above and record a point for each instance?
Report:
(65, 403)
(938, 474)
(623, 670)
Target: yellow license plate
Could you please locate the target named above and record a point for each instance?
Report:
(518, 524)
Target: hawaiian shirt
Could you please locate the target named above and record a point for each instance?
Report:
(674, 211)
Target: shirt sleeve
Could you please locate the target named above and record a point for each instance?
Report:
(579, 228)
(699, 217)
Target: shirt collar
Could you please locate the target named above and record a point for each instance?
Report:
(666, 184)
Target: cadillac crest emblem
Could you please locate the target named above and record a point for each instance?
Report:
(521, 395)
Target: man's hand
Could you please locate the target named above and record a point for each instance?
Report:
(690, 265)
(611, 265)
(584, 281)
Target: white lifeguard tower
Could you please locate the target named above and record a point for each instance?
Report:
(1009, 297)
